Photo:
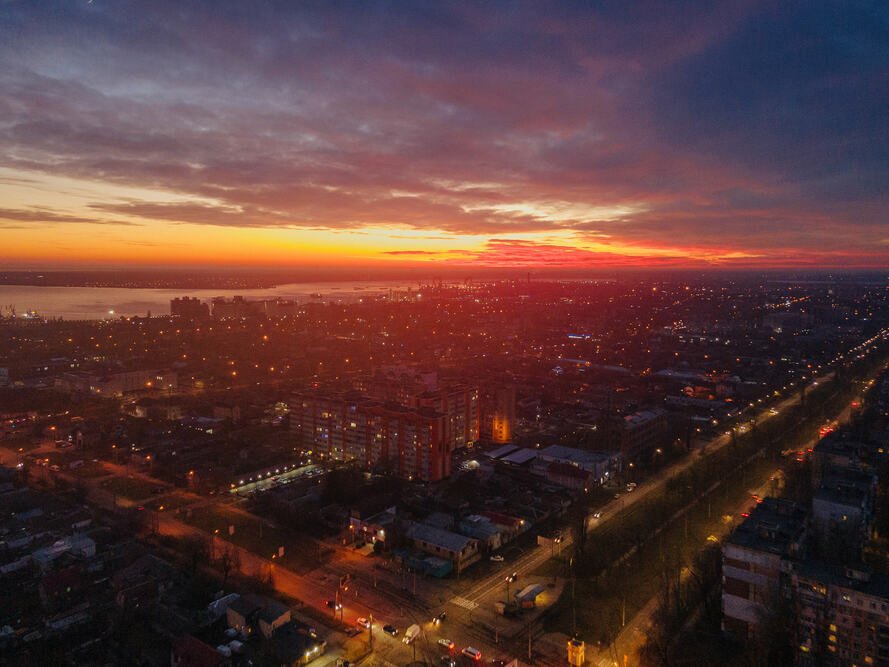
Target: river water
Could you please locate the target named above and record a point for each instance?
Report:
(96, 303)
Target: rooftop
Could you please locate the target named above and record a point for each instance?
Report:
(579, 457)
(438, 537)
(775, 526)
(858, 578)
(520, 457)
(643, 416)
(501, 451)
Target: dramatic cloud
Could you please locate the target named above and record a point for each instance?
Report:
(614, 133)
(43, 216)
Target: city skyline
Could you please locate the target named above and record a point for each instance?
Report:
(398, 135)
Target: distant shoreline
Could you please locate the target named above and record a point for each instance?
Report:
(250, 279)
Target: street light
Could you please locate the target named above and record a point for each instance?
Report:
(511, 578)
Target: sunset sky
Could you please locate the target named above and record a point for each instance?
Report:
(583, 134)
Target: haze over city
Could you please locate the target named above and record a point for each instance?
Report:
(584, 135)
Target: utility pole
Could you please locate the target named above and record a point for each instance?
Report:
(529, 641)
(573, 608)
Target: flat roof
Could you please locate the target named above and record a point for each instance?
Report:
(578, 456)
(439, 537)
(501, 451)
(862, 580)
(520, 456)
(643, 416)
(530, 592)
(773, 526)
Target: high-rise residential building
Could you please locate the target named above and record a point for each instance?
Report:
(842, 615)
(236, 307)
(189, 307)
(349, 427)
(755, 563)
(497, 414)
(459, 407)
(641, 433)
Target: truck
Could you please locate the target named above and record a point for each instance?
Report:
(411, 634)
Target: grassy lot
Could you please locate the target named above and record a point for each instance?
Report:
(89, 470)
(132, 488)
(170, 501)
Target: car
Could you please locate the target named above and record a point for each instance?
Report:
(363, 622)
(497, 558)
(597, 515)
(447, 643)
(333, 604)
(390, 630)
(447, 661)
(471, 652)
(511, 578)
(351, 632)
(442, 616)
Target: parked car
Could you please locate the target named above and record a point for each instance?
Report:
(471, 652)
(363, 622)
(333, 604)
(447, 661)
(390, 630)
(447, 643)
(497, 558)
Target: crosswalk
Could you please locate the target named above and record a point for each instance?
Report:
(463, 602)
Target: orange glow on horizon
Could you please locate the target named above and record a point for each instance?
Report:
(85, 233)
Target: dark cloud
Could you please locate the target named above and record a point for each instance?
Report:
(750, 126)
(39, 215)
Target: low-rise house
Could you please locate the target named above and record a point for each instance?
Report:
(189, 651)
(250, 613)
(58, 587)
(272, 616)
(600, 464)
(241, 614)
(569, 476)
(483, 529)
(461, 550)
(293, 645)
